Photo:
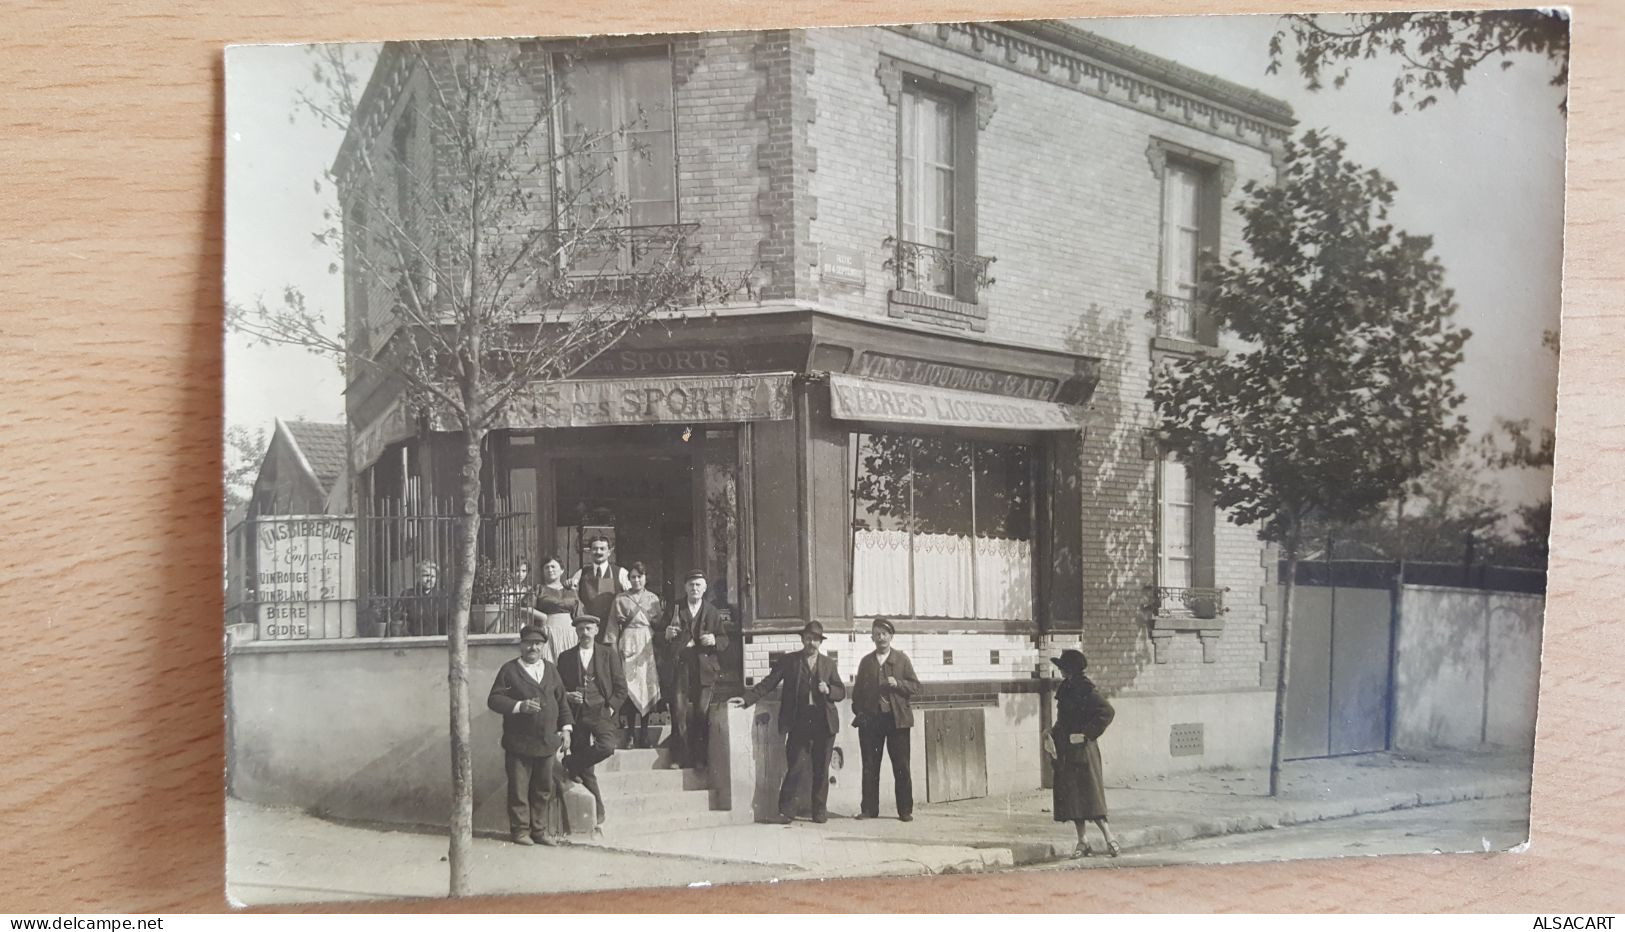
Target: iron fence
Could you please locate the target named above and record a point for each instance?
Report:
(410, 554)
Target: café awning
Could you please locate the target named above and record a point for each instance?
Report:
(859, 399)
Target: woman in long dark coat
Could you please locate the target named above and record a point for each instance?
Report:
(1081, 717)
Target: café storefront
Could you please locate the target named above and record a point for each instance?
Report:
(814, 466)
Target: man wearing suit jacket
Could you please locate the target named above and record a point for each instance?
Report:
(595, 685)
(698, 637)
(807, 717)
(880, 704)
(536, 725)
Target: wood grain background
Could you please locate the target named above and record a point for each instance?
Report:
(110, 330)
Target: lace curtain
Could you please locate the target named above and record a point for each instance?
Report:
(953, 576)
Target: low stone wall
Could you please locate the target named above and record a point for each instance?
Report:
(1237, 730)
(357, 729)
(1468, 670)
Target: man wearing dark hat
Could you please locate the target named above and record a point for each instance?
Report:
(698, 637)
(880, 705)
(596, 688)
(536, 726)
(807, 718)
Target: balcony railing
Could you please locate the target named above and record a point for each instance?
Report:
(936, 270)
(627, 250)
(1175, 316)
(1202, 606)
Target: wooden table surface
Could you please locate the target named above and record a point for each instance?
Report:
(110, 359)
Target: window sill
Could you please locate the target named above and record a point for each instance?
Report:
(937, 309)
(1180, 346)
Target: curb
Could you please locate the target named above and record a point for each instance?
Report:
(1287, 815)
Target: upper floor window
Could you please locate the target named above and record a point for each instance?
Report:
(936, 180)
(1176, 526)
(617, 157)
(1182, 242)
(928, 186)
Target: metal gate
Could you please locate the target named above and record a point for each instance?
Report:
(1337, 698)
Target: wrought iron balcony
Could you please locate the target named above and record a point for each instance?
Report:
(1202, 607)
(1176, 317)
(628, 250)
(936, 270)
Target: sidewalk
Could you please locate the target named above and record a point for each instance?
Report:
(285, 856)
(1006, 831)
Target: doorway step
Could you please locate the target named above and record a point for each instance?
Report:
(643, 797)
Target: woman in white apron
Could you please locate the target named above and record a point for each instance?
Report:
(631, 618)
(556, 609)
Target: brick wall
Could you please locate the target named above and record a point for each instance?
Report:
(1068, 204)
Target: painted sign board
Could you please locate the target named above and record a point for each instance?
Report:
(305, 576)
(854, 399)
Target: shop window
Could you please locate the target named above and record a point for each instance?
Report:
(942, 528)
(617, 159)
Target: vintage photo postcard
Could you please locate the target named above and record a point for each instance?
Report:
(792, 454)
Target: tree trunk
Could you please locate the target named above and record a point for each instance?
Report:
(462, 761)
(1283, 654)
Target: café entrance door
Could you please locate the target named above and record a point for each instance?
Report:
(644, 505)
(668, 501)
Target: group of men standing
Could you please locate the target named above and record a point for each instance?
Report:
(563, 717)
(568, 711)
(809, 720)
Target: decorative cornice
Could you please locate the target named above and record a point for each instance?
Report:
(1158, 150)
(1070, 57)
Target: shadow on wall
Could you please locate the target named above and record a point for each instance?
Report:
(1118, 494)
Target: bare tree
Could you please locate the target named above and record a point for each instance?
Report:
(486, 255)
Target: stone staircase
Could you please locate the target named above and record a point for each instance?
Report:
(642, 796)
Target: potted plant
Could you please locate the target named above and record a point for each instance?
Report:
(486, 609)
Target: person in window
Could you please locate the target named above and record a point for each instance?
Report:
(518, 599)
(536, 727)
(1081, 717)
(698, 637)
(880, 705)
(599, 582)
(556, 609)
(632, 622)
(807, 718)
(420, 610)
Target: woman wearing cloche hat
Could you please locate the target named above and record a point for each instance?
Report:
(1081, 717)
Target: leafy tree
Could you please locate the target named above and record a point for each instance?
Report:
(1518, 444)
(1448, 515)
(245, 450)
(1339, 389)
(1436, 50)
(485, 257)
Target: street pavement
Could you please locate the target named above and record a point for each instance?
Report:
(284, 856)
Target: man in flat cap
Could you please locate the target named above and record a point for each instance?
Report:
(807, 718)
(536, 727)
(698, 637)
(595, 686)
(880, 705)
